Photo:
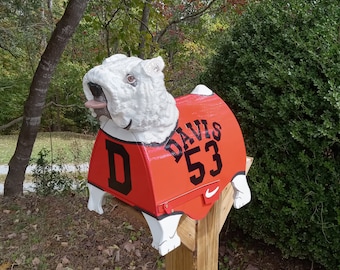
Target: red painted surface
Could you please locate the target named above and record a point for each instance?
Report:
(186, 173)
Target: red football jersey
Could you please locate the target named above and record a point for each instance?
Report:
(185, 173)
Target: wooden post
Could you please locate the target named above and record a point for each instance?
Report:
(200, 239)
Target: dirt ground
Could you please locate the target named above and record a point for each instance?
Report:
(58, 232)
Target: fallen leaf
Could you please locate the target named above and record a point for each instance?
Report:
(105, 222)
(102, 260)
(36, 261)
(21, 260)
(114, 207)
(34, 247)
(117, 256)
(128, 246)
(108, 252)
(5, 266)
(252, 267)
(146, 266)
(65, 260)
(11, 235)
(6, 211)
(138, 254)
(57, 237)
(114, 247)
(60, 266)
(89, 244)
(251, 252)
(129, 227)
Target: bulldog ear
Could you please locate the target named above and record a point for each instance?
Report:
(153, 66)
(113, 58)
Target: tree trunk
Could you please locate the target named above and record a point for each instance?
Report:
(36, 100)
(144, 29)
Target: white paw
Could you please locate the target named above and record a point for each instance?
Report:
(96, 197)
(164, 233)
(202, 90)
(169, 245)
(242, 194)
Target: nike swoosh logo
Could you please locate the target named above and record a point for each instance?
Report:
(209, 194)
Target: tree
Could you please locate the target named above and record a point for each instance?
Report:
(278, 68)
(22, 31)
(38, 91)
(143, 29)
(172, 29)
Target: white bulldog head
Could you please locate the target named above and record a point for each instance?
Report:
(131, 92)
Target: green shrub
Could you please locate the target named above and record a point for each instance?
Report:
(278, 67)
(51, 177)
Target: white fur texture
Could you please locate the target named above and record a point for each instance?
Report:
(136, 96)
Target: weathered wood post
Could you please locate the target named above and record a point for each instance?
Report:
(200, 239)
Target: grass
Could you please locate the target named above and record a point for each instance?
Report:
(62, 148)
(68, 147)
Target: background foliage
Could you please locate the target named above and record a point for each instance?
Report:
(278, 67)
(172, 29)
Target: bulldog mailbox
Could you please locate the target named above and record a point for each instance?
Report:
(161, 155)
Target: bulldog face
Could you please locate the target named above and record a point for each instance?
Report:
(131, 92)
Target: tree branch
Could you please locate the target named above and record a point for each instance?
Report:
(189, 16)
(8, 50)
(51, 103)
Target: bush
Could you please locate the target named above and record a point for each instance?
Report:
(51, 178)
(278, 67)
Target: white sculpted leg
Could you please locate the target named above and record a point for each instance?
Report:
(95, 199)
(242, 194)
(164, 232)
(202, 90)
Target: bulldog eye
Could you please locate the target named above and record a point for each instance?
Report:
(131, 79)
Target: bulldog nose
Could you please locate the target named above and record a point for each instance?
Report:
(95, 89)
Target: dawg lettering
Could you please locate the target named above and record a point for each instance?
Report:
(210, 135)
